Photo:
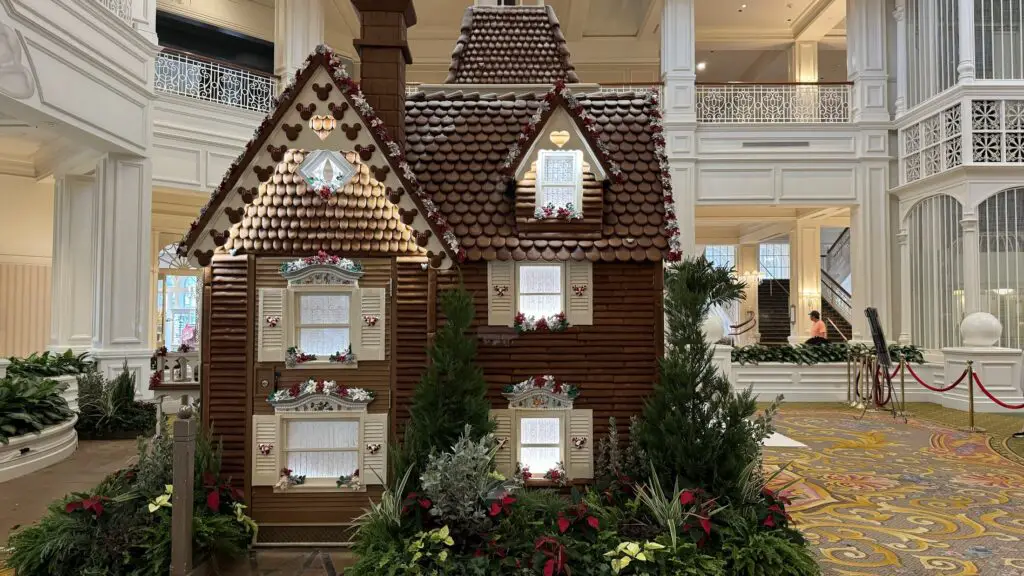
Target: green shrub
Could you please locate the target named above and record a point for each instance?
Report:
(461, 483)
(805, 354)
(111, 531)
(27, 405)
(48, 364)
(108, 407)
(452, 392)
(695, 428)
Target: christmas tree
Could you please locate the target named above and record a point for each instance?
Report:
(452, 392)
(694, 427)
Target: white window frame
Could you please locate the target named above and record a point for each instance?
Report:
(293, 325)
(321, 484)
(577, 156)
(561, 281)
(563, 431)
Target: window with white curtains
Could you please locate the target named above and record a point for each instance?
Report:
(998, 43)
(323, 324)
(936, 271)
(539, 288)
(540, 441)
(933, 47)
(1001, 247)
(774, 261)
(322, 449)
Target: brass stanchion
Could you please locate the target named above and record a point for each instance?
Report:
(849, 375)
(860, 385)
(903, 385)
(970, 399)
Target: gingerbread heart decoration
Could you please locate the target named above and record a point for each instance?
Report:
(559, 137)
(322, 125)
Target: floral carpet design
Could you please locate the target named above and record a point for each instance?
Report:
(876, 496)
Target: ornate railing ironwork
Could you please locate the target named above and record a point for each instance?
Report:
(120, 8)
(837, 296)
(190, 75)
(773, 103)
(837, 259)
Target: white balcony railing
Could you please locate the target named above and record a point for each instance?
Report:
(120, 8)
(773, 103)
(203, 79)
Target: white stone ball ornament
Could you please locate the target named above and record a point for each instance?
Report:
(980, 330)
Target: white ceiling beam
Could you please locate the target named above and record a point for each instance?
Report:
(761, 233)
(652, 20)
(577, 21)
(818, 19)
(348, 16)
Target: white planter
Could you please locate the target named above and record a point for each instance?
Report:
(825, 382)
(26, 454)
(4, 363)
(71, 394)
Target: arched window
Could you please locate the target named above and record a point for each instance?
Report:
(936, 271)
(177, 300)
(1001, 248)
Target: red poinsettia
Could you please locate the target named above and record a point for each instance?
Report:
(502, 504)
(295, 390)
(552, 554)
(541, 324)
(93, 504)
(219, 490)
(415, 500)
(319, 386)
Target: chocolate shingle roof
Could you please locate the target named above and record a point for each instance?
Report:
(510, 45)
(457, 143)
(287, 217)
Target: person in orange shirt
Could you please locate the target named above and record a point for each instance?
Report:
(819, 333)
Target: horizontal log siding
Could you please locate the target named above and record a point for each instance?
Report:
(614, 361)
(225, 390)
(319, 508)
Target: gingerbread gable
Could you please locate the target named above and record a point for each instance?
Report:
(264, 205)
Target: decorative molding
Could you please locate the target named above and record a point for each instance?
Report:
(16, 80)
(541, 392)
(322, 269)
(320, 396)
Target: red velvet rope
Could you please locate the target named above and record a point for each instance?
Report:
(977, 381)
(878, 388)
(922, 382)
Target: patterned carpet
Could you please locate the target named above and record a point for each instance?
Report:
(876, 497)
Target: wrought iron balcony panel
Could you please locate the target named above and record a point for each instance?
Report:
(773, 103)
(188, 75)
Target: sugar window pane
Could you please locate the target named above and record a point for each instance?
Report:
(559, 195)
(323, 341)
(540, 431)
(540, 305)
(323, 464)
(329, 434)
(539, 460)
(540, 279)
(560, 169)
(323, 308)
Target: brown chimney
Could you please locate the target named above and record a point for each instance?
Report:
(384, 53)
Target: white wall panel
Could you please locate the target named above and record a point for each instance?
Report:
(24, 308)
(817, 184)
(735, 183)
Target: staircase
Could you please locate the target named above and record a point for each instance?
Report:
(830, 313)
(773, 311)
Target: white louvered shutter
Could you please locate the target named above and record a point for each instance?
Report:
(581, 460)
(271, 340)
(372, 339)
(501, 293)
(579, 292)
(265, 471)
(375, 450)
(505, 459)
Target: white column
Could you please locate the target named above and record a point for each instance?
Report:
(803, 62)
(298, 29)
(965, 16)
(75, 216)
(905, 336)
(677, 61)
(144, 18)
(121, 310)
(866, 59)
(902, 70)
(869, 248)
(804, 276)
(972, 265)
(684, 194)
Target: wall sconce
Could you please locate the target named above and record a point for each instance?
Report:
(812, 299)
(752, 277)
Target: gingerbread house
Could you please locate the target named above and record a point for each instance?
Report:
(354, 206)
